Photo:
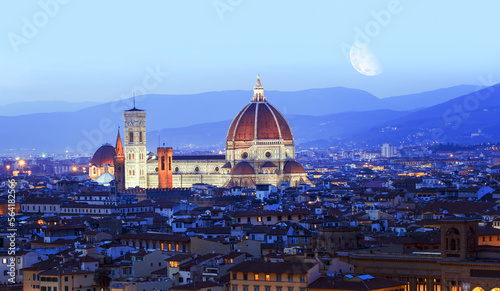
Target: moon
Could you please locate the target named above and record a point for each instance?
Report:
(364, 61)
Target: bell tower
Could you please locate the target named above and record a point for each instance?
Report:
(459, 238)
(135, 148)
(119, 164)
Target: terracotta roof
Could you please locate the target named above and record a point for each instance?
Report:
(259, 120)
(280, 267)
(268, 165)
(243, 168)
(104, 155)
(292, 167)
(155, 236)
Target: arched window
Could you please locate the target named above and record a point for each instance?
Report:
(163, 163)
(131, 136)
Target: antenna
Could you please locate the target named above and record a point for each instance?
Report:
(134, 100)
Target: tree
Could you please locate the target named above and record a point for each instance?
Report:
(102, 278)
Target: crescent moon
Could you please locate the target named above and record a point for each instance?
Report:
(364, 61)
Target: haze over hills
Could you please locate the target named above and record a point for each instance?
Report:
(471, 118)
(335, 100)
(23, 108)
(429, 98)
(203, 119)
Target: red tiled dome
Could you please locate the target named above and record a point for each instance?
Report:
(259, 120)
(270, 124)
(292, 167)
(243, 168)
(104, 155)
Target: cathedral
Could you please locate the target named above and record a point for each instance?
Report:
(259, 150)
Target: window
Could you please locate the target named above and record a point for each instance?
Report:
(235, 288)
(259, 219)
(256, 277)
(235, 276)
(4, 261)
(66, 279)
(140, 136)
(269, 218)
(245, 287)
(290, 288)
(278, 288)
(268, 277)
(256, 288)
(278, 277)
(302, 278)
(290, 279)
(267, 288)
(245, 276)
(131, 136)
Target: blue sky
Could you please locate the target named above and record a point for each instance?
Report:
(101, 50)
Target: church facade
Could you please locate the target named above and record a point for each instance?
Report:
(259, 150)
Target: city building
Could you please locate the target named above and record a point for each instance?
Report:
(259, 150)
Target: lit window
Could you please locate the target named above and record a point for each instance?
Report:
(268, 277)
(256, 277)
(174, 264)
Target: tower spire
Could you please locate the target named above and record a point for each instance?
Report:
(119, 153)
(258, 92)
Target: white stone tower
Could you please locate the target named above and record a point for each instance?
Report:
(135, 148)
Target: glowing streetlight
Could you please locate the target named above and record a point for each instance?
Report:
(75, 169)
(8, 167)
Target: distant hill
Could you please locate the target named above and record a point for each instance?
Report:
(23, 108)
(472, 118)
(201, 119)
(429, 98)
(305, 128)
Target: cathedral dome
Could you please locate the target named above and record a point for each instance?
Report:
(243, 168)
(104, 155)
(292, 167)
(259, 120)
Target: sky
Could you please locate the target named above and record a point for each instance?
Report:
(105, 50)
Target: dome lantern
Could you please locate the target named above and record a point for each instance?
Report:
(258, 92)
